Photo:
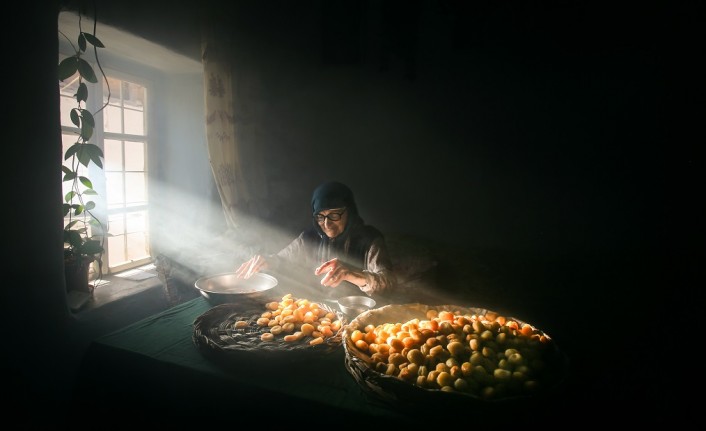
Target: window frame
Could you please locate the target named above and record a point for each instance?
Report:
(104, 135)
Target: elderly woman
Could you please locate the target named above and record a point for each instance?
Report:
(338, 247)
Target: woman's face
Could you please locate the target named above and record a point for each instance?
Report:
(332, 221)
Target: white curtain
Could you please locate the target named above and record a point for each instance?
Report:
(220, 129)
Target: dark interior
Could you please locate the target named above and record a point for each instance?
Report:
(547, 152)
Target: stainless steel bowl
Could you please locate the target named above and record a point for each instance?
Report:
(227, 287)
(354, 305)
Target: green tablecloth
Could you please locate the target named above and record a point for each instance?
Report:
(153, 368)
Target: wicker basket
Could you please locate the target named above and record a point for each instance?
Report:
(399, 393)
(216, 336)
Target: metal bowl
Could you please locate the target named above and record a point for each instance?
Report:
(354, 305)
(227, 287)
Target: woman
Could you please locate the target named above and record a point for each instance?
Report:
(339, 247)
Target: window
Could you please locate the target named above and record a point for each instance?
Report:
(151, 132)
(125, 149)
(121, 132)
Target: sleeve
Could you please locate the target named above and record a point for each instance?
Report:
(378, 273)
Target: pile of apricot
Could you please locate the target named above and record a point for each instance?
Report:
(296, 319)
(488, 356)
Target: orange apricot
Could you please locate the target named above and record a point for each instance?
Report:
(361, 345)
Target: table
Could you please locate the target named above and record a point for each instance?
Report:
(151, 370)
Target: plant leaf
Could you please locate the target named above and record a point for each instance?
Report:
(82, 42)
(86, 130)
(69, 196)
(75, 117)
(69, 176)
(83, 157)
(90, 205)
(68, 67)
(95, 154)
(73, 149)
(65, 209)
(91, 246)
(88, 117)
(90, 192)
(73, 237)
(93, 40)
(97, 161)
(66, 170)
(90, 153)
(86, 182)
(86, 71)
(82, 92)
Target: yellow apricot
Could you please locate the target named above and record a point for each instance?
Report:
(455, 348)
(415, 356)
(356, 335)
(444, 379)
(527, 330)
(307, 328)
(446, 316)
(361, 345)
(292, 337)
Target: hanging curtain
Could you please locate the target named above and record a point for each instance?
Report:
(220, 128)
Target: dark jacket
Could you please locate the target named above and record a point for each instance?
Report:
(360, 246)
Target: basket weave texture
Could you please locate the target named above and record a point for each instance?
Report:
(215, 334)
(396, 392)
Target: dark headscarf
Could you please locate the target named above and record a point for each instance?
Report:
(331, 195)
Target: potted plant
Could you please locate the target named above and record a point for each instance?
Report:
(84, 234)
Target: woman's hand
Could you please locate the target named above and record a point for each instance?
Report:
(336, 271)
(253, 265)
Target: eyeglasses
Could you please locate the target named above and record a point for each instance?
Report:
(320, 218)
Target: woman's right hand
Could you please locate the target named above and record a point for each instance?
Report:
(253, 265)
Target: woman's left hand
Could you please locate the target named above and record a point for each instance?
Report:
(336, 272)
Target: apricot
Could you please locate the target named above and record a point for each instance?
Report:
(361, 345)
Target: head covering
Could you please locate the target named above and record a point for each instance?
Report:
(333, 194)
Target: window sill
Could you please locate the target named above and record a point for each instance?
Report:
(114, 287)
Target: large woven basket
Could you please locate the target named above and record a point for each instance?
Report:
(216, 336)
(399, 393)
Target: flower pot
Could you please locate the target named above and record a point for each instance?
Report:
(76, 274)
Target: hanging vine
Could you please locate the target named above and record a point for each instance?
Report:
(84, 234)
